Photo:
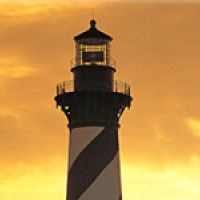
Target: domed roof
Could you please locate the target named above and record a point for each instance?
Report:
(93, 32)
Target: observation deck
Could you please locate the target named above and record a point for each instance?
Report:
(93, 102)
(94, 86)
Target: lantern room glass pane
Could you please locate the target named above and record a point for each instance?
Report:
(92, 52)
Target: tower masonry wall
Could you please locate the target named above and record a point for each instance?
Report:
(92, 78)
(94, 166)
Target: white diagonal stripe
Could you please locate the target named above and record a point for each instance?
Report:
(79, 139)
(107, 185)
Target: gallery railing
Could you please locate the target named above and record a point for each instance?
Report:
(93, 86)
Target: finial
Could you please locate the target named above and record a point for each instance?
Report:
(92, 23)
(93, 13)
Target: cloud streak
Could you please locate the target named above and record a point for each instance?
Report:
(157, 52)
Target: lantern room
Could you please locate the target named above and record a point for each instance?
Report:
(92, 47)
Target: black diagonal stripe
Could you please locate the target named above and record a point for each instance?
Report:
(91, 162)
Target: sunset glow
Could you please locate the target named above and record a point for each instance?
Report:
(156, 46)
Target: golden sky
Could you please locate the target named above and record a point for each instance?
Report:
(156, 46)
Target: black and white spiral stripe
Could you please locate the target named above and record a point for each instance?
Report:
(94, 164)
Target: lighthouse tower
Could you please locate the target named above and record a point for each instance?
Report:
(93, 103)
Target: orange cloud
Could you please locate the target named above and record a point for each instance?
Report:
(157, 52)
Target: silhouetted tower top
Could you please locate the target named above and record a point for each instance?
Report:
(93, 96)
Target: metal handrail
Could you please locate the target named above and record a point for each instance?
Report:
(112, 63)
(99, 86)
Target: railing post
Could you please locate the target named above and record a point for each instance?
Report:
(57, 90)
(125, 88)
(116, 86)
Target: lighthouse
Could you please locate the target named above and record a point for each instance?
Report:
(93, 103)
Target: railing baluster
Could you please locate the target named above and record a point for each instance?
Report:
(117, 87)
